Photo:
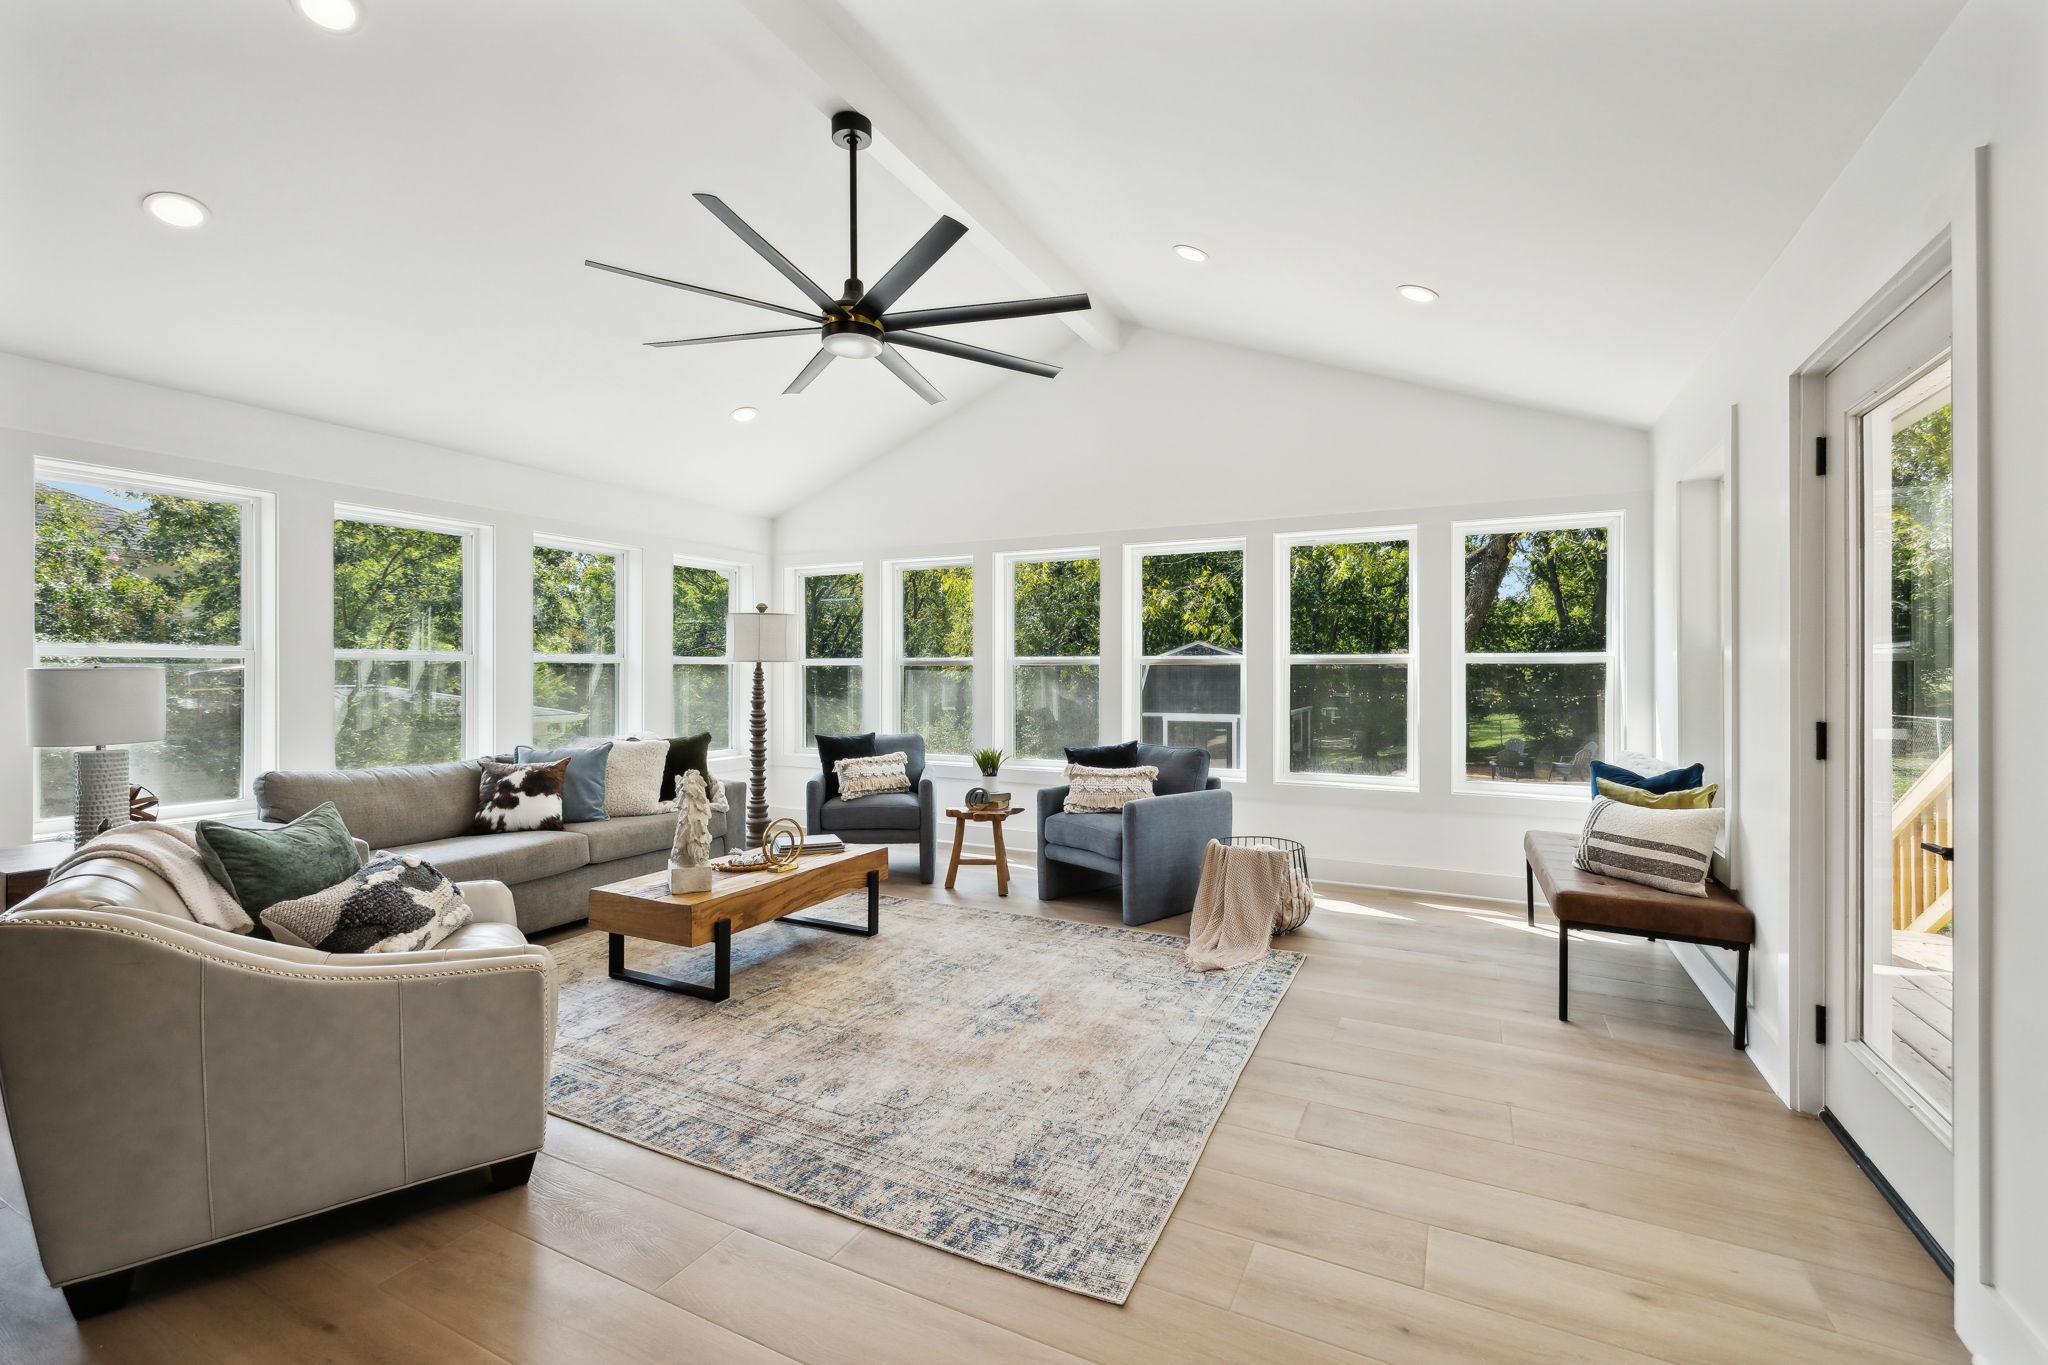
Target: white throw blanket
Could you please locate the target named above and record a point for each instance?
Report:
(1244, 891)
(172, 853)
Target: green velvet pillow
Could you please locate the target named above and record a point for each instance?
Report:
(260, 867)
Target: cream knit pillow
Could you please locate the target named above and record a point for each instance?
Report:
(632, 777)
(1092, 791)
(873, 775)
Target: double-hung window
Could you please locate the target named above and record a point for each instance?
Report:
(1537, 663)
(131, 570)
(834, 625)
(404, 595)
(1055, 654)
(578, 656)
(700, 597)
(1349, 657)
(936, 647)
(1190, 619)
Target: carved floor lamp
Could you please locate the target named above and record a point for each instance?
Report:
(760, 637)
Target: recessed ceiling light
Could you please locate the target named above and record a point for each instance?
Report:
(1190, 253)
(179, 210)
(745, 414)
(336, 16)
(1417, 293)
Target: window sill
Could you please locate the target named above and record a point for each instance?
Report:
(1336, 783)
(1561, 793)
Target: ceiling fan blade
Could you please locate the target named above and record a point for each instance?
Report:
(766, 252)
(922, 256)
(700, 289)
(985, 312)
(735, 336)
(812, 371)
(942, 346)
(907, 372)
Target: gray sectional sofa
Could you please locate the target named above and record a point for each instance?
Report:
(427, 810)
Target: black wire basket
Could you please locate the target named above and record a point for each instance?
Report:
(1295, 908)
(1295, 850)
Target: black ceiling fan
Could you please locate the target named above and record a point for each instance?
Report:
(858, 324)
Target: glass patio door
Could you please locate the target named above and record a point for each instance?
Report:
(1890, 1071)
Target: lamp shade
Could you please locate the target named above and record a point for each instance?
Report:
(75, 706)
(762, 637)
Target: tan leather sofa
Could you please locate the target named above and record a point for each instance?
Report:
(168, 1085)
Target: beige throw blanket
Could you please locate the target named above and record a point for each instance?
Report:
(1244, 892)
(171, 853)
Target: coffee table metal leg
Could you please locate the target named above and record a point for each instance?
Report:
(874, 914)
(721, 970)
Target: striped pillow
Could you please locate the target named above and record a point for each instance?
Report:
(1668, 849)
(1092, 791)
(872, 775)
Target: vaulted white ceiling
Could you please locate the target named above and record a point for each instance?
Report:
(400, 215)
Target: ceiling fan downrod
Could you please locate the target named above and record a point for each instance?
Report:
(852, 131)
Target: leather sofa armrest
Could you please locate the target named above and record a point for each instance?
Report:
(489, 902)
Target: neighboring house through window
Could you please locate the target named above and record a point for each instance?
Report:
(1190, 617)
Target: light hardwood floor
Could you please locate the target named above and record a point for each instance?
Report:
(1420, 1164)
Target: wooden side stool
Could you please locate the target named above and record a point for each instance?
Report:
(994, 820)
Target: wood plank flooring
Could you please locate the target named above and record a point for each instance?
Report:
(1420, 1164)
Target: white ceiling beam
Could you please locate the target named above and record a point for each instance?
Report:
(808, 46)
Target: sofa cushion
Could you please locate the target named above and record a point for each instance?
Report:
(1102, 835)
(889, 810)
(627, 835)
(1180, 769)
(583, 792)
(686, 753)
(385, 807)
(395, 903)
(260, 867)
(519, 856)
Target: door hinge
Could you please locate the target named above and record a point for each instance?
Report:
(1820, 740)
(1820, 455)
(1820, 1025)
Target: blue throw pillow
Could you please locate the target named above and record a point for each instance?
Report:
(1677, 780)
(583, 792)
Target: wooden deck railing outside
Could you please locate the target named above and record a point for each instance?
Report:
(1920, 880)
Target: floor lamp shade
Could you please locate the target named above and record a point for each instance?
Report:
(760, 637)
(86, 708)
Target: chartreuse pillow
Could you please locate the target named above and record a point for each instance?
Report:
(1699, 798)
(262, 866)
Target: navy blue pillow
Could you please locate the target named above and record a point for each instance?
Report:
(1677, 780)
(1123, 755)
(583, 788)
(832, 748)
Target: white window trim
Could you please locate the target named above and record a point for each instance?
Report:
(1285, 661)
(892, 701)
(477, 682)
(1614, 655)
(804, 663)
(1134, 638)
(257, 650)
(625, 623)
(735, 583)
(1004, 732)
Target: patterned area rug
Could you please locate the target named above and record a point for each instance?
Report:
(1029, 1093)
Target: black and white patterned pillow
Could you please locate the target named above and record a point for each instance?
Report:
(520, 796)
(394, 904)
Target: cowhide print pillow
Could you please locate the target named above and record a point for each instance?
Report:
(518, 796)
(1092, 791)
(395, 903)
(873, 775)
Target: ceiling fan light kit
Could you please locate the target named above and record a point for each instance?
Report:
(858, 324)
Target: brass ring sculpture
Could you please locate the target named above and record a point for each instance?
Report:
(781, 842)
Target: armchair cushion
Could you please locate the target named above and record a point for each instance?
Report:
(1102, 835)
(886, 810)
(832, 748)
(1180, 769)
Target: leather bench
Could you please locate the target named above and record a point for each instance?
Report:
(1582, 900)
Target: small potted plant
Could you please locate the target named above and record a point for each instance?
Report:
(990, 761)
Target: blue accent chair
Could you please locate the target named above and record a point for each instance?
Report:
(1152, 848)
(891, 818)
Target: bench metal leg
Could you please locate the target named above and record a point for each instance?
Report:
(1742, 997)
(1529, 871)
(874, 925)
(721, 967)
(1564, 970)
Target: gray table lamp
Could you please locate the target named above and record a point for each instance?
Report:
(760, 637)
(87, 708)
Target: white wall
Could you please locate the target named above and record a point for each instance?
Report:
(54, 412)
(1170, 438)
(1983, 84)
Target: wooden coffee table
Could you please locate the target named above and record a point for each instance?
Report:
(643, 908)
